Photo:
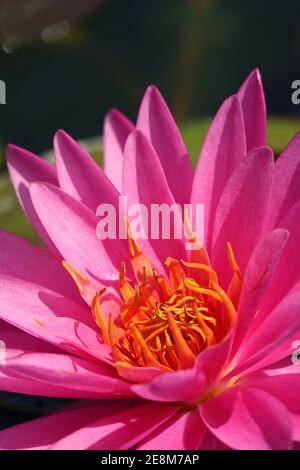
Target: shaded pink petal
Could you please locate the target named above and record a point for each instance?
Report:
(202, 377)
(157, 123)
(52, 317)
(182, 385)
(16, 342)
(273, 339)
(283, 366)
(258, 275)
(211, 361)
(119, 431)
(145, 183)
(223, 148)
(251, 95)
(137, 374)
(80, 176)
(241, 210)
(26, 261)
(14, 383)
(248, 419)
(285, 189)
(80, 378)
(287, 275)
(72, 227)
(24, 167)
(43, 432)
(115, 132)
(184, 431)
(285, 387)
(210, 442)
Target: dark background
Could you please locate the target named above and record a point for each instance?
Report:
(67, 62)
(196, 51)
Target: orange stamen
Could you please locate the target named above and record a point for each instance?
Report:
(176, 272)
(126, 288)
(235, 286)
(149, 357)
(165, 323)
(99, 318)
(185, 355)
(229, 307)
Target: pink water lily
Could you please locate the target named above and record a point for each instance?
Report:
(163, 348)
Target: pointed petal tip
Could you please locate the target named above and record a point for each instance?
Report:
(151, 94)
(59, 133)
(152, 89)
(256, 73)
(14, 151)
(252, 84)
(232, 101)
(134, 138)
(263, 150)
(11, 147)
(254, 76)
(61, 136)
(113, 114)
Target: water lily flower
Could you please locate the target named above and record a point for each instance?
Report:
(162, 347)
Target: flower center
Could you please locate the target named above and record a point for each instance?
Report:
(166, 321)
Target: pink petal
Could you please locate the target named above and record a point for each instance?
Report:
(241, 210)
(26, 261)
(24, 168)
(80, 378)
(202, 377)
(284, 366)
(272, 339)
(285, 189)
(72, 227)
(16, 342)
(184, 431)
(43, 432)
(211, 361)
(52, 317)
(285, 387)
(116, 130)
(183, 385)
(80, 176)
(287, 276)
(248, 419)
(210, 442)
(156, 122)
(258, 276)
(137, 374)
(251, 95)
(145, 183)
(223, 148)
(120, 431)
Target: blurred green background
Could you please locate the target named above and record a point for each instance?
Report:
(67, 62)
